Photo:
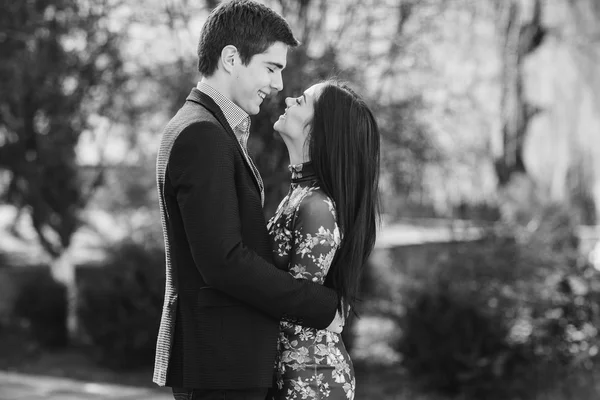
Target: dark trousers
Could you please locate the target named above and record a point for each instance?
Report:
(219, 394)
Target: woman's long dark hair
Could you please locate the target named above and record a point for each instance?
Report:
(343, 145)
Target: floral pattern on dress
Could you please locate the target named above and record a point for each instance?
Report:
(311, 363)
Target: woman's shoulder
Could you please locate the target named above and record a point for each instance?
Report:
(317, 214)
(315, 202)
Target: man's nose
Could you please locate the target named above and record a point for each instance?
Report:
(277, 81)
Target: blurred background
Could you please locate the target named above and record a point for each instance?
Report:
(485, 280)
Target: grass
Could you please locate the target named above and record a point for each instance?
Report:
(381, 382)
(377, 378)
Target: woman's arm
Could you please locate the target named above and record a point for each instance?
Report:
(316, 237)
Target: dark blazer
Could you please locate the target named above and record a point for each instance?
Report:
(224, 298)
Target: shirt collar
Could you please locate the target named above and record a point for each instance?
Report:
(237, 118)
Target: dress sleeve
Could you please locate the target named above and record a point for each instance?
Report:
(316, 238)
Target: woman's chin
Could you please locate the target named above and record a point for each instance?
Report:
(277, 126)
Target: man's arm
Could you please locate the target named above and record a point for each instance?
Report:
(201, 169)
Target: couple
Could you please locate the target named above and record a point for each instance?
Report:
(255, 311)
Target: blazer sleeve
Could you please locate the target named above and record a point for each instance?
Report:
(201, 169)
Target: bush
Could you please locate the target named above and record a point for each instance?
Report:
(3, 260)
(563, 311)
(566, 330)
(490, 315)
(458, 314)
(41, 308)
(120, 305)
(450, 344)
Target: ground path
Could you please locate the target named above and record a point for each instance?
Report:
(14, 386)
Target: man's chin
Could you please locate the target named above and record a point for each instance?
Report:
(253, 111)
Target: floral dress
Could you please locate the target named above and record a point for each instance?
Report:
(311, 363)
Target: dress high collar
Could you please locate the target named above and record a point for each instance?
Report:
(302, 172)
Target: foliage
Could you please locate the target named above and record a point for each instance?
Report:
(129, 197)
(120, 305)
(3, 260)
(60, 64)
(407, 152)
(450, 343)
(490, 315)
(454, 327)
(41, 308)
(566, 330)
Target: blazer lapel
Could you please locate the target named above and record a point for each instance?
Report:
(205, 101)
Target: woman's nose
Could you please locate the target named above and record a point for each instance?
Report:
(289, 101)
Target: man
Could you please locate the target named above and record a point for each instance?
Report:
(224, 299)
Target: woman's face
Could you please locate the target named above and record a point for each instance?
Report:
(295, 121)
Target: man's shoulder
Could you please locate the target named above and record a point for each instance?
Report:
(191, 124)
(192, 117)
(192, 113)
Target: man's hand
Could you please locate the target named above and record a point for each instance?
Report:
(337, 325)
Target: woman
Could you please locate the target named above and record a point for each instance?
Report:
(324, 229)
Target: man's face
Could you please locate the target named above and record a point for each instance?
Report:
(259, 79)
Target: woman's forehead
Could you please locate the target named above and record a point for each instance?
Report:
(314, 90)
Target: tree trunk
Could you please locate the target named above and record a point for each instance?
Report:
(63, 270)
(520, 37)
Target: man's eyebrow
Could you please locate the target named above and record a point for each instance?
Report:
(280, 66)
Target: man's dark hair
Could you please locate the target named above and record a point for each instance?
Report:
(249, 26)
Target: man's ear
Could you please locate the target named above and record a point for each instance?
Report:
(229, 56)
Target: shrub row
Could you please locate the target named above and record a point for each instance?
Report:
(120, 305)
(489, 316)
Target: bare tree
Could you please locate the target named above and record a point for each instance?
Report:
(520, 38)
